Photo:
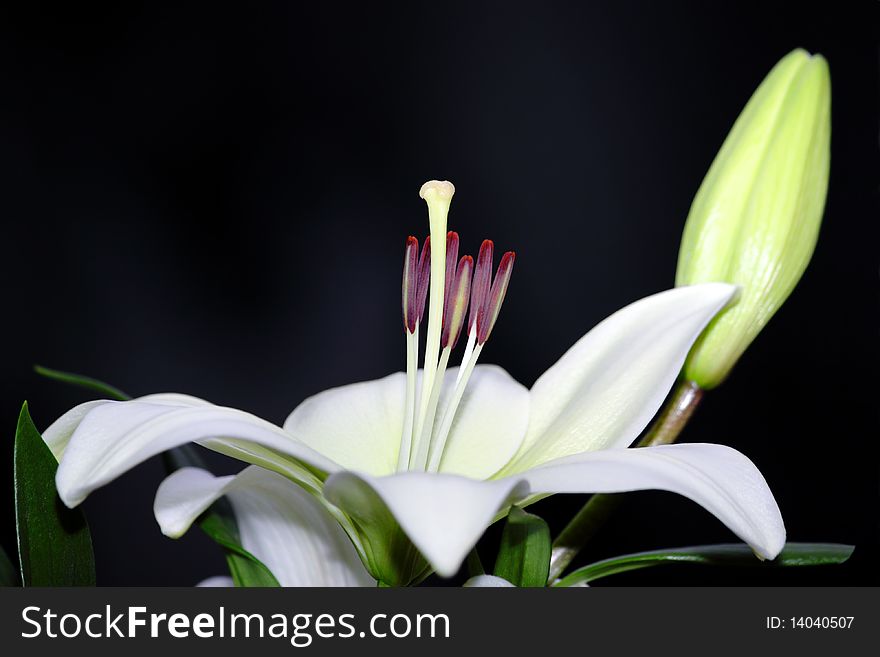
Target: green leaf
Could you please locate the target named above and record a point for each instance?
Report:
(725, 554)
(8, 576)
(106, 389)
(245, 568)
(524, 555)
(54, 543)
(218, 522)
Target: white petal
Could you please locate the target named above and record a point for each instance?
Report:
(608, 386)
(218, 581)
(116, 436)
(284, 527)
(490, 581)
(489, 425)
(59, 432)
(357, 425)
(718, 478)
(443, 515)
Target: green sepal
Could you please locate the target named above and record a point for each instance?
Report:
(524, 556)
(725, 554)
(54, 543)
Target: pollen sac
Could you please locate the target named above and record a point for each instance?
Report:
(482, 282)
(451, 259)
(455, 307)
(415, 281)
(424, 279)
(488, 315)
(410, 283)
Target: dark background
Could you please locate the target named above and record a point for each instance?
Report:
(213, 199)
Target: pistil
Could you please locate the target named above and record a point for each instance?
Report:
(438, 196)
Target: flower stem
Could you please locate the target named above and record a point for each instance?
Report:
(665, 430)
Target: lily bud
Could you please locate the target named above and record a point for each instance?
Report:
(755, 219)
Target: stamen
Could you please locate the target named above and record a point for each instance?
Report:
(457, 298)
(440, 438)
(489, 313)
(419, 454)
(415, 290)
(468, 350)
(409, 404)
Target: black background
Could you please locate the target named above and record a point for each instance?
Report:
(213, 199)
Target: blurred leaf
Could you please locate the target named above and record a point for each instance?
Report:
(473, 563)
(82, 381)
(54, 543)
(524, 555)
(725, 554)
(8, 576)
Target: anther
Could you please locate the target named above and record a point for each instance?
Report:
(424, 278)
(451, 261)
(416, 271)
(482, 282)
(489, 313)
(455, 309)
(410, 283)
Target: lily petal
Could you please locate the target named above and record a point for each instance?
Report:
(59, 432)
(489, 425)
(718, 478)
(487, 581)
(114, 437)
(216, 582)
(279, 523)
(608, 386)
(357, 425)
(443, 515)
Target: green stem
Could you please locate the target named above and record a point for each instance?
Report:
(665, 430)
(675, 415)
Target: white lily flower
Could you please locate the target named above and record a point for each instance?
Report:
(430, 458)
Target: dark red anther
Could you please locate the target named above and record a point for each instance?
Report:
(424, 279)
(482, 282)
(489, 314)
(457, 297)
(451, 260)
(410, 283)
(416, 272)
